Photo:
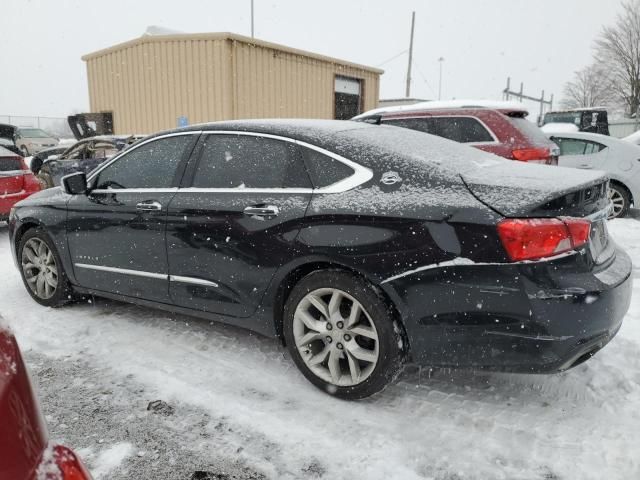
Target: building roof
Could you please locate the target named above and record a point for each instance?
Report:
(226, 36)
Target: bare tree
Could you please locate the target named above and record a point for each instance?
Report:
(590, 87)
(618, 51)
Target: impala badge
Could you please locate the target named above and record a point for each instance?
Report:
(390, 178)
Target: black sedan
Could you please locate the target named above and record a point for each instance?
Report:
(361, 246)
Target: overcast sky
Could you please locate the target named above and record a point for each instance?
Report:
(540, 43)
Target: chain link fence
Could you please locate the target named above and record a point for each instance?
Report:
(58, 127)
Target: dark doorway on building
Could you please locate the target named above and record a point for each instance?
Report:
(348, 97)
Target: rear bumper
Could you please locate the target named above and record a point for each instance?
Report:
(541, 317)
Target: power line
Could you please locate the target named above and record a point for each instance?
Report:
(392, 58)
(424, 78)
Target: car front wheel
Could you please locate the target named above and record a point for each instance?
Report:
(342, 335)
(41, 269)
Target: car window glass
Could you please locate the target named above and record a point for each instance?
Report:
(593, 147)
(571, 146)
(419, 124)
(461, 129)
(103, 150)
(241, 161)
(324, 170)
(76, 152)
(152, 165)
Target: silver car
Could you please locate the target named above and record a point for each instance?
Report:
(31, 140)
(618, 158)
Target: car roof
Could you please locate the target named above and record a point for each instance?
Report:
(506, 107)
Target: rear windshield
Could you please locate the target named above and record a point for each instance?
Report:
(531, 131)
(10, 164)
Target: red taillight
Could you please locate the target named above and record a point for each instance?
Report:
(70, 466)
(534, 238)
(541, 155)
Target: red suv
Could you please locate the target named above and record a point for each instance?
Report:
(25, 453)
(17, 182)
(500, 128)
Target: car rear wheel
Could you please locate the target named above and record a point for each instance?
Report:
(41, 269)
(620, 199)
(341, 335)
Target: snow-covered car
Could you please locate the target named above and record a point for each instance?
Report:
(619, 159)
(633, 138)
(496, 127)
(27, 453)
(360, 245)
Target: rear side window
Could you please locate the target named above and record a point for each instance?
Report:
(530, 130)
(241, 161)
(10, 164)
(573, 146)
(324, 170)
(152, 165)
(461, 129)
(419, 124)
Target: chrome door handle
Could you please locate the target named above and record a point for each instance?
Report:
(149, 206)
(262, 211)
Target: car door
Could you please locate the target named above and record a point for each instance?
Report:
(236, 221)
(116, 233)
(579, 153)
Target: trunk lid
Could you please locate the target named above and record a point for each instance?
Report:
(516, 189)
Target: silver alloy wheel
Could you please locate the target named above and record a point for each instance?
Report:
(618, 202)
(335, 337)
(39, 267)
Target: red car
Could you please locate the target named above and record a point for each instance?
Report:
(25, 452)
(17, 182)
(498, 127)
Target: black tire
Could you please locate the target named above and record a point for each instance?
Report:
(621, 194)
(63, 292)
(390, 344)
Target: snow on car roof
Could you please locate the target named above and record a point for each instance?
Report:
(443, 104)
(556, 127)
(633, 138)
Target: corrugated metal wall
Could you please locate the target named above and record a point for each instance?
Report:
(148, 84)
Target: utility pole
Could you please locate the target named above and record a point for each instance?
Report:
(408, 90)
(440, 60)
(251, 18)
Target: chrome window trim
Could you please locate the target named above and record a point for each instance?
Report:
(133, 190)
(192, 280)
(360, 174)
(124, 271)
(138, 145)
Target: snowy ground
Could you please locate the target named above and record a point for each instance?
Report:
(241, 409)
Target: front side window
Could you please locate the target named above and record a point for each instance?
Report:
(152, 165)
(242, 161)
(461, 129)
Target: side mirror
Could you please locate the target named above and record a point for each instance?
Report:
(75, 183)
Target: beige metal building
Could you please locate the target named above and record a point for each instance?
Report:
(158, 82)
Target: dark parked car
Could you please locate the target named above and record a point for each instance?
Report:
(25, 451)
(592, 120)
(500, 127)
(82, 156)
(39, 158)
(362, 246)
